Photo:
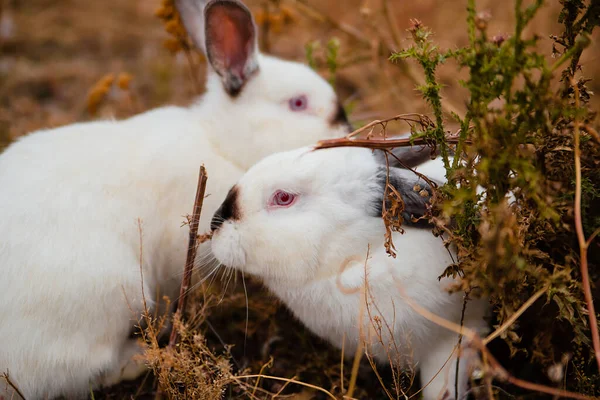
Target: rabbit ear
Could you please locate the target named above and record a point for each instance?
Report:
(415, 192)
(406, 157)
(225, 31)
(231, 44)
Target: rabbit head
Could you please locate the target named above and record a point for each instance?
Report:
(283, 104)
(309, 211)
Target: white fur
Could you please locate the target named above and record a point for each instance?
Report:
(70, 284)
(300, 253)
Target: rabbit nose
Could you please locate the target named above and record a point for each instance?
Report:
(217, 219)
(228, 211)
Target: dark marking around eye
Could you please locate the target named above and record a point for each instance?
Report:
(229, 210)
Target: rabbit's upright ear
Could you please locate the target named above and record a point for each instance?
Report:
(415, 192)
(225, 31)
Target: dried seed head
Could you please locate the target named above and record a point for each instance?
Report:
(415, 24)
(481, 20)
(98, 92)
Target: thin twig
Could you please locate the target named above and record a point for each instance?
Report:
(191, 253)
(516, 315)
(592, 132)
(277, 378)
(266, 365)
(389, 16)
(421, 119)
(355, 364)
(12, 384)
(593, 236)
(496, 368)
(460, 338)
(342, 363)
(379, 144)
(583, 244)
(140, 232)
(362, 339)
(351, 31)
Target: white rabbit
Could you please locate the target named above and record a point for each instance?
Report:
(304, 220)
(70, 284)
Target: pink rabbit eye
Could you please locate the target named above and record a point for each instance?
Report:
(298, 103)
(282, 199)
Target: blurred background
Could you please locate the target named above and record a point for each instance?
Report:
(52, 53)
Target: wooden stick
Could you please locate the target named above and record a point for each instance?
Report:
(191, 253)
(380, 144)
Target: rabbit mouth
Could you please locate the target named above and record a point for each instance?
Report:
(226, 247)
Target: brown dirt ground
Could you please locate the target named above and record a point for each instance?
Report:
(53, 51)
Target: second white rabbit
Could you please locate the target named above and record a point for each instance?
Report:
(304, 221)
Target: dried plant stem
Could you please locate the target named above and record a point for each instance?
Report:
(260, 373)
(342, 363)
(312, 12)
(459, 344)
(592, 132)
(362, 339)
(516, 315)
(411, 117)
(355, 365)
(11, 384)
(583, 243)
(496, 368)
(191, 254)
(379, 378)
(389, 16)
(277, 378)
(592, 236)
(379, 144)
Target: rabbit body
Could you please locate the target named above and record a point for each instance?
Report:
(72, 261)
(313, 254)
(91, 213)
(332, 308)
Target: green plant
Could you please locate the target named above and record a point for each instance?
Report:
(519, 143)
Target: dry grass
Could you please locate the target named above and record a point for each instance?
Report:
(73, 60)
